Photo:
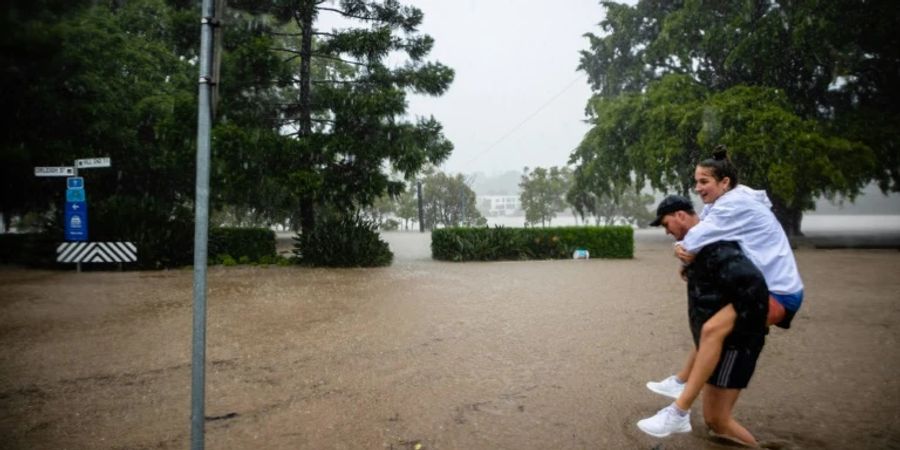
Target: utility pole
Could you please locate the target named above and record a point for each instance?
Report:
(211, 11)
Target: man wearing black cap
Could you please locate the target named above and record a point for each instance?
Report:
(727, 307)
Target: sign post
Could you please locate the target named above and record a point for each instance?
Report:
(76, 220)
(76, 216)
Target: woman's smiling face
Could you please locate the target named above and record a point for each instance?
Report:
(708, 188)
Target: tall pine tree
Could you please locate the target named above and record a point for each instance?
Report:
(347, 122)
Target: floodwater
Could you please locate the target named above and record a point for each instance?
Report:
(433, 355)
(815, 224)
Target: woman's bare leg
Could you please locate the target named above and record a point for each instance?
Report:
(714, 332)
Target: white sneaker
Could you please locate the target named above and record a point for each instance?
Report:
(666, 422)
(670, 387)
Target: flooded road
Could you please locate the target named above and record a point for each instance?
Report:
(425, 354)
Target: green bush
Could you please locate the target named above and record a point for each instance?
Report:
(162, 233)
(247, 245)
(250, 245)
(343, 242)
(478, 244)
(32, 249)
(500, 243)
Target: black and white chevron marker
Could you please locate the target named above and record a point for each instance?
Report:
(96, 252)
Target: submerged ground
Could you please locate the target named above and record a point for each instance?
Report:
(424, 354)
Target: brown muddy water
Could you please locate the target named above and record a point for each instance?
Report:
(432, 355)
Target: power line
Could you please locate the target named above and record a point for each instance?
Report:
(524, 121)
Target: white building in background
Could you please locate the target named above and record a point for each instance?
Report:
(499, 205)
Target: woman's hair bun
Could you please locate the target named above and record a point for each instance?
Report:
(720, 153)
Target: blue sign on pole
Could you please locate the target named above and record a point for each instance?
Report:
(76, 221)
(75, 183)
(75, 195)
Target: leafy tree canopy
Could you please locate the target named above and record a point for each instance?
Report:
(449, 201)
(307, 120)
(335, 95)
(792, 88)
(543, 193)
(106, 82)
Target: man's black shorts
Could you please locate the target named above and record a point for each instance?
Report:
(735, 368)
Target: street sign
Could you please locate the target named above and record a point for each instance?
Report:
(75, 195)
(75, 183)
(54, 171)
(89, 163)
(76, 221)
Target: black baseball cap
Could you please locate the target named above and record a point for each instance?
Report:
(669, 205)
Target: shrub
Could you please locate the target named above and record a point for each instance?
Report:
(250, 244)
(499, 243)
(343, 242)
(478, 244)
(32, 249)
(246, 244)
(162, 233)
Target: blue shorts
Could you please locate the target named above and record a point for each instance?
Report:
(791, 303)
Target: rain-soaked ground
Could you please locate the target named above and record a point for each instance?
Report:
(434, 355)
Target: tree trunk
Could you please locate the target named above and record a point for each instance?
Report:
(304, 15)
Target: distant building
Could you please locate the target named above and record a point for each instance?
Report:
(499, 205)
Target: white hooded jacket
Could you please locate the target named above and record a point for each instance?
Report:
(744, 215)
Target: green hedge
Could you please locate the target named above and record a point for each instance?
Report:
(31, 249)
(501, 243)
(241, 244)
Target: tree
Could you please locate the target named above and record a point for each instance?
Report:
(381, 207)
(543, 193)
(347, 115)
(673, 79)
(656, 138)
(449, 201)
(407, 206)
(627, 205)
(31, 35)
(108, 81)
(118, 79)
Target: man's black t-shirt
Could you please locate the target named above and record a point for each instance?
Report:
(722, 274)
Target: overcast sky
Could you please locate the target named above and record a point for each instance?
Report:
(517, 99)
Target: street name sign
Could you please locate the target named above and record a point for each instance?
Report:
(88, 163)
(54, 171)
